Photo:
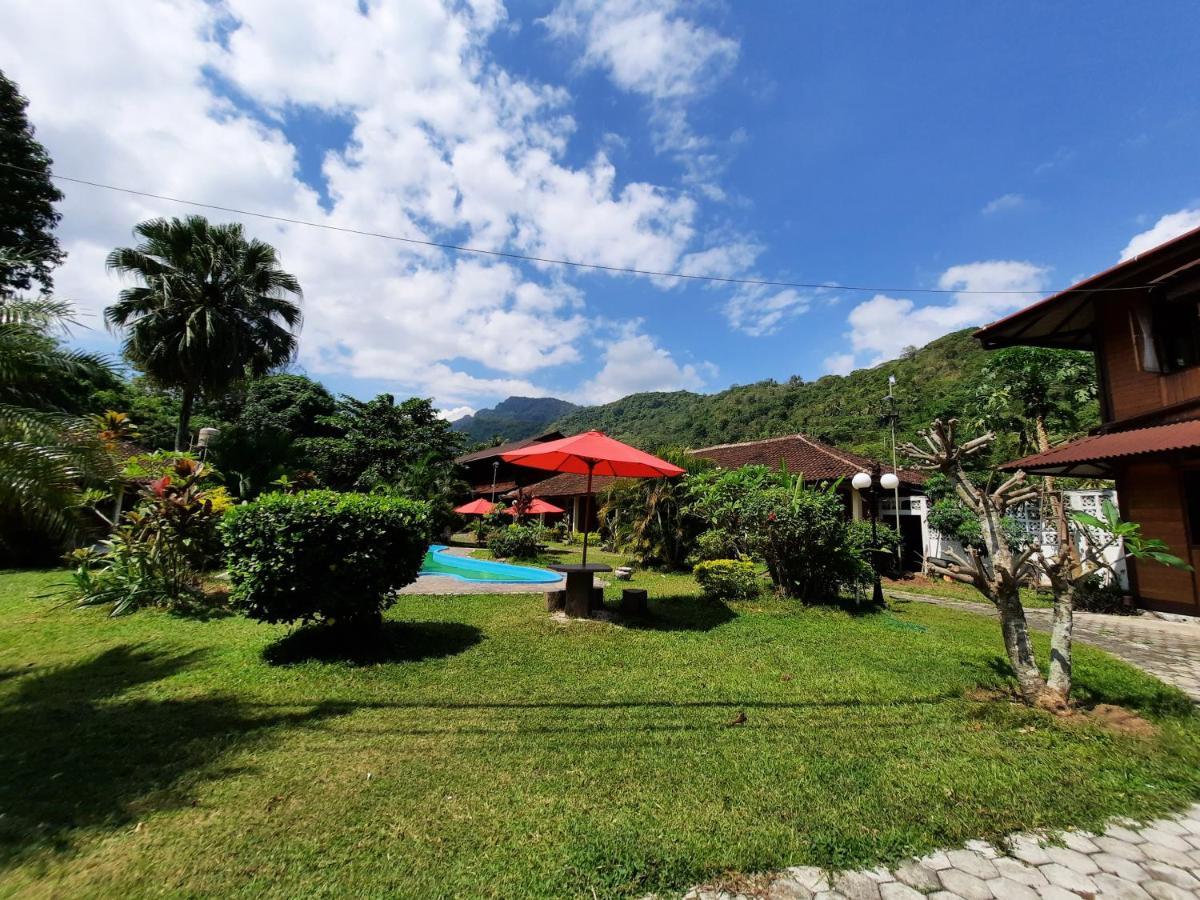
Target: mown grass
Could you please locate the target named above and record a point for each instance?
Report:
(488, 751)
(954, 590)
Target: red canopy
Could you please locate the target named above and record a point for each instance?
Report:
(537, 506)
(592, 452)
(478, 507)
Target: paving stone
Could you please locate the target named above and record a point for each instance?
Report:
(1080, 841)
(972, 863)
(1068, 878)
(1161, 838)
(1122, 868)
(829, 895)
(1193, 839)
(1120, 832)
(1118, 847)
(936, 861)
(1054, 892)
(856, 886)
(1015, 870)
(1159, 853)
(1007, 889)
(894, 890)
(918, 876)
(965, 885)
(788, 889)
(880, 875)
(811, 877)
(944, 895)
(1162, 890)
(1118, 888)
(1170, 826)
(1072, 859)
(1027, 849)
(1172, 874)
(983, 848)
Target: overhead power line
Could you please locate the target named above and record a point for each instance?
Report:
(505, 254)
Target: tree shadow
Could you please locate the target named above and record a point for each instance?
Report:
(683, 613)
(77, 755)
(393, 642)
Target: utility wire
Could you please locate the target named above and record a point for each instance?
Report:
(460, 248)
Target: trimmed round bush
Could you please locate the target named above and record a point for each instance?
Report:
(516, 542)
(727, 579)
(323, 556)
(716, 543)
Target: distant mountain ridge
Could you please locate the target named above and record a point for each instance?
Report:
(937, 380)
(514, 418)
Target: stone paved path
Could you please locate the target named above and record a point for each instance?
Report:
(1169, 650)
(1159, 861)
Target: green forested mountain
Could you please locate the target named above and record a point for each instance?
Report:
(936, 380)
(514, 418)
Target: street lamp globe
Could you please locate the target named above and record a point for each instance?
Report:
(889, 481)
(861, 481)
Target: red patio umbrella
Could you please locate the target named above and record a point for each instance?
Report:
(478, 507)
(537, 506)
(591, 453)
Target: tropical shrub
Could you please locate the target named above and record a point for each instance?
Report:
(156, 553)
(727, 579)
(716, 543)
(861, 540)
(516, 541)
(803, 537)
(321, 555)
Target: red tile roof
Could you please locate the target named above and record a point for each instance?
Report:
(1093, 455)
(568, 485)
(802, 455)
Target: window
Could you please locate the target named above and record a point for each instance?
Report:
(1177, 330)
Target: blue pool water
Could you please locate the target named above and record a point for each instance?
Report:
(465, 568)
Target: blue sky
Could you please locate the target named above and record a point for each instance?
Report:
(983, 147)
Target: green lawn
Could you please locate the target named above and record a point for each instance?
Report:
(497, 753)
(956, 590)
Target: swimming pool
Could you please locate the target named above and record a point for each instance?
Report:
(466, 568)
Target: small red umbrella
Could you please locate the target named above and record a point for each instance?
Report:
(591, 453)
(537, 506)
(478, 507)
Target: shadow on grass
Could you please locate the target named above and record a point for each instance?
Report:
(77, 755)
(678, 614)
(394, 642)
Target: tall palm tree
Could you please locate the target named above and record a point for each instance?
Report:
(210, 307)
(46, 455)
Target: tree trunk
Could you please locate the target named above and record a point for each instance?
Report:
(184, 433)
(1018, 645)
(1059, 681)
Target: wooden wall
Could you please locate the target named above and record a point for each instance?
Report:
(1151, 494)
(1132, 392)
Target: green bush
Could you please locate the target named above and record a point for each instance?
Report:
(321, 555)
(727, 579)
(859, 534)
(516, 541)
(1095, 594)
(716, 543)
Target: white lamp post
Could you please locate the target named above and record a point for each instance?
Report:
(864, 483)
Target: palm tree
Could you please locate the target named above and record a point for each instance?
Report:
(210, 308)
(46, 455)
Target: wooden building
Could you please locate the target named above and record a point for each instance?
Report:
(487, 473)
(1141, 318)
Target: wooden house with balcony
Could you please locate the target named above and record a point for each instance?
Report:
(1141, 318)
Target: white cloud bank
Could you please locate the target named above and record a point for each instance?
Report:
(445, 144)
(1004, 203)
(1169, 226)
(882, 327)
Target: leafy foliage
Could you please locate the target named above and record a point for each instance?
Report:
(727, 579)
(1130, 534)
(209, 308)
(883, 545)
(321, 555)
(516, 541)
(27, 215)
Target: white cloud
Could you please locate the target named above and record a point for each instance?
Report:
(453, 415)
(1169, 226)
(883, 326)
(839, 364)
(1004, 203)
(759, 310)
(634, 362)
(444, 144)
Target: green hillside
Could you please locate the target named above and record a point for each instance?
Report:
(844, 410)
(513, 419)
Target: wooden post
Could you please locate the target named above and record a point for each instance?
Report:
(633, 601)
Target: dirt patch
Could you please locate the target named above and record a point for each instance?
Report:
(1121, 720)
(988, 695)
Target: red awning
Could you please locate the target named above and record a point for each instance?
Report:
(1093, 456)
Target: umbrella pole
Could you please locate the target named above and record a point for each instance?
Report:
(587, 508)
